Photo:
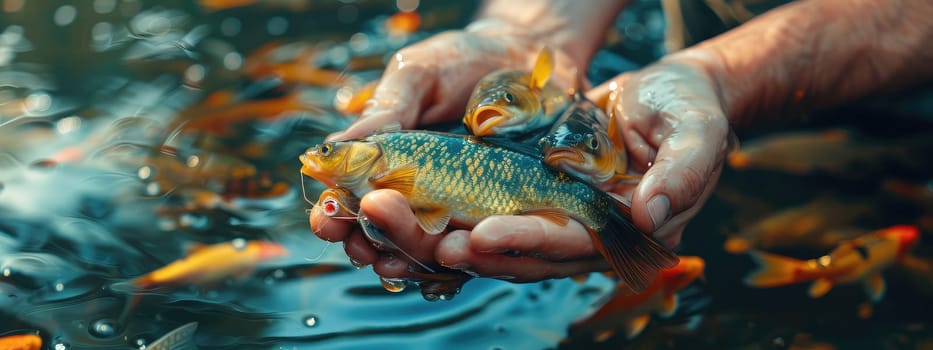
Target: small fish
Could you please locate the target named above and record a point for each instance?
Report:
(860, 260)
(291, 5)
(633, 311)
(449, 178)
(181, 338)
(218, 119)
(21, 342)
(514, 102)
(207, 265)
(586, 143)
(338, 203)
(821, 223)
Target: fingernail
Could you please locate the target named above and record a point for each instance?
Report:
(659, 209)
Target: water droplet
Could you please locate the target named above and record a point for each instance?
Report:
(59, 287)
(277, 25)
(394, 285)
(144, 172)
(446, 297)
(239, 244)
(429, 296)
(61, 346)
(195, 73)
(7, 272)
(193, 161)
(358, 265)
(233, 61)
(310, 321)
(153, 189)
(230, 26)
(104, 328)
(65, 15)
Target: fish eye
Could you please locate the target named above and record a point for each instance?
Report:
(325, 149)
(592, 142)
(509, 98)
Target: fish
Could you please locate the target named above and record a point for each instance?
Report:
(338, 203)
(218, 5)
(181, 338)
(860, 260)
(514, 102)
(633, 311)
(821, 223)
(21, 342)
(585, 142)
(459, 179)
(351, 100)
(207, 265)
(218, 118)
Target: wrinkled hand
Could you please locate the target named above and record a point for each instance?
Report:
(676, 133)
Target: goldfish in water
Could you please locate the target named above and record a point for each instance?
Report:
(351, 100)
(584, 142)
(821, 223)
(403, 23)
(460, 179)
(514, 102)
(21, 342)
(212, 264)
(219, 118)
(860, 260)
(633, 311)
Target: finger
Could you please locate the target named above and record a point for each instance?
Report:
(399, 97)
(392, 266)
(358, 248)
(683, 170)
(389, 210)
(329, 229)
(532, 235)
(455, 252)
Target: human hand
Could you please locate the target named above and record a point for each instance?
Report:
(676, 132)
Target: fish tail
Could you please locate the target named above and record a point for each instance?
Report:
(773, 270)
(636, 257)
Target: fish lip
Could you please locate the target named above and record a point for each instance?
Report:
(564, 153)
(487, 117)
(314, 171)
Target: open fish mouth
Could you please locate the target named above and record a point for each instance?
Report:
(486, 118)
(561, 155)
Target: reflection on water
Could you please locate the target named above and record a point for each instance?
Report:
(134, 134)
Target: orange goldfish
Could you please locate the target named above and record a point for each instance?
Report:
(212, 264)
(217, 5)
(403, 23)
(584, 142)
(514, 102)
(633, 311)
(455, 178)
(860, 260)
(219, 118)
(21, 342)
(821, 223)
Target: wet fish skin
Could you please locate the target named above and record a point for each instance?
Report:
(460, 179)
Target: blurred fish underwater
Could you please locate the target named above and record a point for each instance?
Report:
(150, 197)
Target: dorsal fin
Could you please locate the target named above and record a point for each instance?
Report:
(544, 66)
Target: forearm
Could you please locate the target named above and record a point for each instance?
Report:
(812, 54)
(576, 28)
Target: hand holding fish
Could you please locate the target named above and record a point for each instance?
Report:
(676, 133)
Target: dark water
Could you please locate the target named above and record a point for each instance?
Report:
(109, 80)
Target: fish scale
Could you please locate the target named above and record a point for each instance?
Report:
(449, 178)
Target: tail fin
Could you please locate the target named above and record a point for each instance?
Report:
(773, 270)
(635, 256)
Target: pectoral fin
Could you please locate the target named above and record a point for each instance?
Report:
(820, 287)
(634, 327)
(556, 215)
(542, 70)
(432, 220)
(875, 287)
(669, 305)
(401, 179)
